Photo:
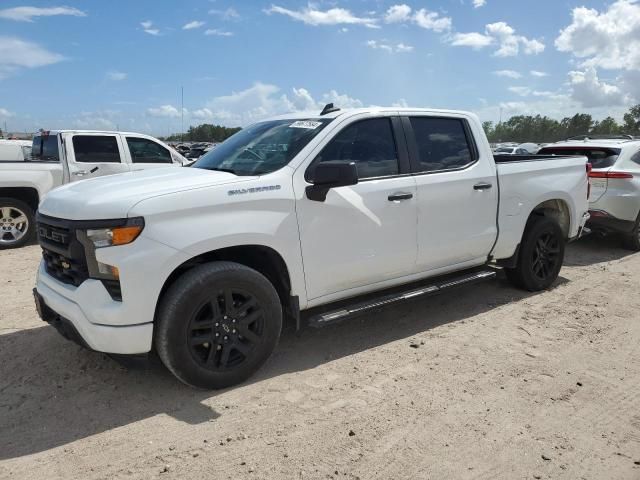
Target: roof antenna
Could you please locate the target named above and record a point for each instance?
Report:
(329, 108)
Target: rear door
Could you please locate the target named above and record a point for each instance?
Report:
(94, 155)
(457, 192)
(144, 153)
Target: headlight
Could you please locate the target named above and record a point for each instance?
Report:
(110, 237)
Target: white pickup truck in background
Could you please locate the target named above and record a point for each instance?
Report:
(59, 157)
(318, 216)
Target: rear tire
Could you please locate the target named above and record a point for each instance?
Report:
(218, 324)
(632, 241)
(541, 255)
(17, 223)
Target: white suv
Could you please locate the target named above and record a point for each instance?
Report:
(614, 203)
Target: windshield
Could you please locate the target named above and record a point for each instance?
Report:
(598, 157)
(263, 147)
(45, 147)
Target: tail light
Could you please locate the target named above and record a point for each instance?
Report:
(619, 175)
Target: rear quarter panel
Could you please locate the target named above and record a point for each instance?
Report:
(526, 184)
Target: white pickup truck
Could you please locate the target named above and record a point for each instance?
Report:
(306, 217)
(63, 156)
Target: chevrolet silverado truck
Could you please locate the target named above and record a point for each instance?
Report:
(64, 156)
(308, 218)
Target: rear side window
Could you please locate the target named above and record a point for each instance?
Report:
(368, 143)
(598, 157)
(635, 158)
(96, 149)
(146, 151)
(442, 143)
(45, 148)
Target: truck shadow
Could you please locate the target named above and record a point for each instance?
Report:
(53, 393)
(595, 249)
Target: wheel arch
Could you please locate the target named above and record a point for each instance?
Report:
(558, 210)
(261, 258)
(28, 195)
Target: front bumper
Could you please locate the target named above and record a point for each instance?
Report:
(68, 318)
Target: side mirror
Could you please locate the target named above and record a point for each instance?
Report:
(328, 175)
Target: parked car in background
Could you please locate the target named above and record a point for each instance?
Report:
(14, 150)
(297, 214)
(615, 182)
(522, 149)
(64, 156)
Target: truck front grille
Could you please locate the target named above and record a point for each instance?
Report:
(64, 256)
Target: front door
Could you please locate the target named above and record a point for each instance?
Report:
(365, 233)
(94, 155)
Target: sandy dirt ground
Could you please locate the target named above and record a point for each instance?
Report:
(484, 382)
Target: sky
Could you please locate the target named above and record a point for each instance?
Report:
(94, 64)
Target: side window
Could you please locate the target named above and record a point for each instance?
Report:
(635, 158)
(368, 143)
(442, 143)
(96, 149)
(146, 151)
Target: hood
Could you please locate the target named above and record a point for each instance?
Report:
(112, 196)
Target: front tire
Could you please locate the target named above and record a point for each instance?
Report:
(541, 255)
(17, 223)
(218, 324)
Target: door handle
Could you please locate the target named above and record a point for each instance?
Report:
(482, 186)
(398, 197)
(82, 173)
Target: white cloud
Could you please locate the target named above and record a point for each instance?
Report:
(116, 76)
(16, 54)
(383, 45)
(218, 33)
(202, 114)
(4, 113)
(508, 74)
(432, 21)
(27, 14)
(264, 100)
(423, 18)
(479, 3)
(193, 25)
(538, 74)
(228, 14)
(499, 33)
(590, 91)
(402, 48)
(397, 14)
(334, 16)
(522, 91)
(168, 111)
(148, 27)
(608, 39)
(472, 39)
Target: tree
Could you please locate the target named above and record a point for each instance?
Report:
(632, 121)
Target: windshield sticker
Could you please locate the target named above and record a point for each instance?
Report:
(308, 124)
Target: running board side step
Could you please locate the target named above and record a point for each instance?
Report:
(333, 316)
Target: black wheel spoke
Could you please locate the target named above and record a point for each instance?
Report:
(201, 339)
(229, 308)
(225, 353)
(243, 348)
(249, 335)
(249, 319)
(244, 308)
